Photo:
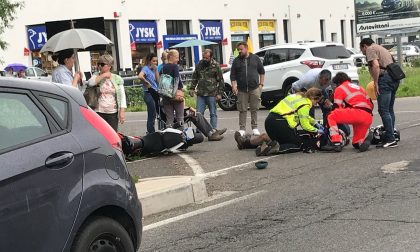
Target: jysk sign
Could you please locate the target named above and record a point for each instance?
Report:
(37, 37)
(211, 30)
(143, 31)
(376, 15)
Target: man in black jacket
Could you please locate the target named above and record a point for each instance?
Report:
(247, 77)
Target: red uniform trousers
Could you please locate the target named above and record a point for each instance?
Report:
(360, 119)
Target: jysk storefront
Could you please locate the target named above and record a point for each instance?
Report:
(266, 32)
(213, 31)
(143, 39)
(37, 37)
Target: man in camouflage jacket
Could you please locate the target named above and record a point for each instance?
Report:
(208, 84)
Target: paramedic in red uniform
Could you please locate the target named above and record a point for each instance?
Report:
(351, 106)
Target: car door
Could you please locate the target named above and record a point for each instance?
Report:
(30, 73)
(41, 171)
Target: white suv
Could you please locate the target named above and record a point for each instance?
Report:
(286, 63)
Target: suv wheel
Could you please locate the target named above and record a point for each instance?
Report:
(228, 101)
(103, 234)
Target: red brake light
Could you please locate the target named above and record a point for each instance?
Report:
(102, 127)
(313, 63)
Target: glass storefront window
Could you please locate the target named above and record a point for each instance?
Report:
(267, 39)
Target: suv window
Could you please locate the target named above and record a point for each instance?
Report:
(330, 52)
(20, 120)
(275, 56)
(295, 53)
(261, 55)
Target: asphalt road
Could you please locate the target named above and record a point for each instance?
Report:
(346, 201)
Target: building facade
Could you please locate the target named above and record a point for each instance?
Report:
(140, 27)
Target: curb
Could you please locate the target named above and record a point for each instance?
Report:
(164, 193)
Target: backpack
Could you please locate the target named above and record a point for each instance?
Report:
(167, 87)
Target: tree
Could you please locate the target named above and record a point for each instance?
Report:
(7, 15)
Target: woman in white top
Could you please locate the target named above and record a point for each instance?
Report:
(111, 96)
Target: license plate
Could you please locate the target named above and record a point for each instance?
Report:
(340, 66)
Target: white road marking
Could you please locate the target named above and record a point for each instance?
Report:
(395, 167)
(141, 160)
(195, 166)
(199, 211)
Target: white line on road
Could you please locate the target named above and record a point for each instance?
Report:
(199, 211)
(195, 166)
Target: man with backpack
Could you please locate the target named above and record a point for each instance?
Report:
(385, 86)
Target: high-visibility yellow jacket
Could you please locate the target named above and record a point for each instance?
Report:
(295, 109)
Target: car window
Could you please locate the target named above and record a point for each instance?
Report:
(60, 108)
(275, 56)
(30, 72)
(261, 56)
(39, 72)
(295, 53)
(20, 120)
(330, 52)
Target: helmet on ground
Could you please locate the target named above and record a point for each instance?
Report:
(379, 134)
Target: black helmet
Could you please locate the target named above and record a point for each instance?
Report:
(379, 134)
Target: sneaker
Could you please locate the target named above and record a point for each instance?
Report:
(337, 147)
(242, 132)
(366, 143)
(275, 149)
(215, 137)
(239, 140)
(221, 131)
(390, 144)
(256, 132)
(259, 150)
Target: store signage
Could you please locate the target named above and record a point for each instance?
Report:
(26, 52)
(377, 15)
(143, 31)
(225, 41)
(211, 30)
(239, 26)
(37, 37)
(159, 45)
(266, 26)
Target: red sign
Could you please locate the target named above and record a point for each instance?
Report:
(159, 44)
(25, 51)
(133, 46)
(224, 41)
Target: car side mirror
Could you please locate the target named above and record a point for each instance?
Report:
(45, 74)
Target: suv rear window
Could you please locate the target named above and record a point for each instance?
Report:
(330, 52)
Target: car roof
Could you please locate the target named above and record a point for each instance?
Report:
(42, 86)
(303, 45)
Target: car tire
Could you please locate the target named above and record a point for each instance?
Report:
(103, 233)
(228, 101)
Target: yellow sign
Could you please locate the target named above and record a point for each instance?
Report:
(266, 26)
(239, 26)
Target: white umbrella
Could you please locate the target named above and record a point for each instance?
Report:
(194, 42)
(75, 39)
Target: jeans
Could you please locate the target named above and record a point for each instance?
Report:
(210, 101)
(386, 98)
(151, 112)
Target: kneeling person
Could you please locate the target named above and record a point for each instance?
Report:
(351, 106)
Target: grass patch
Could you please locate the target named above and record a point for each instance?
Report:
(409, 86)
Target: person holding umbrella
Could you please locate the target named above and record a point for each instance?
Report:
(63, 73)
(111, 97)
